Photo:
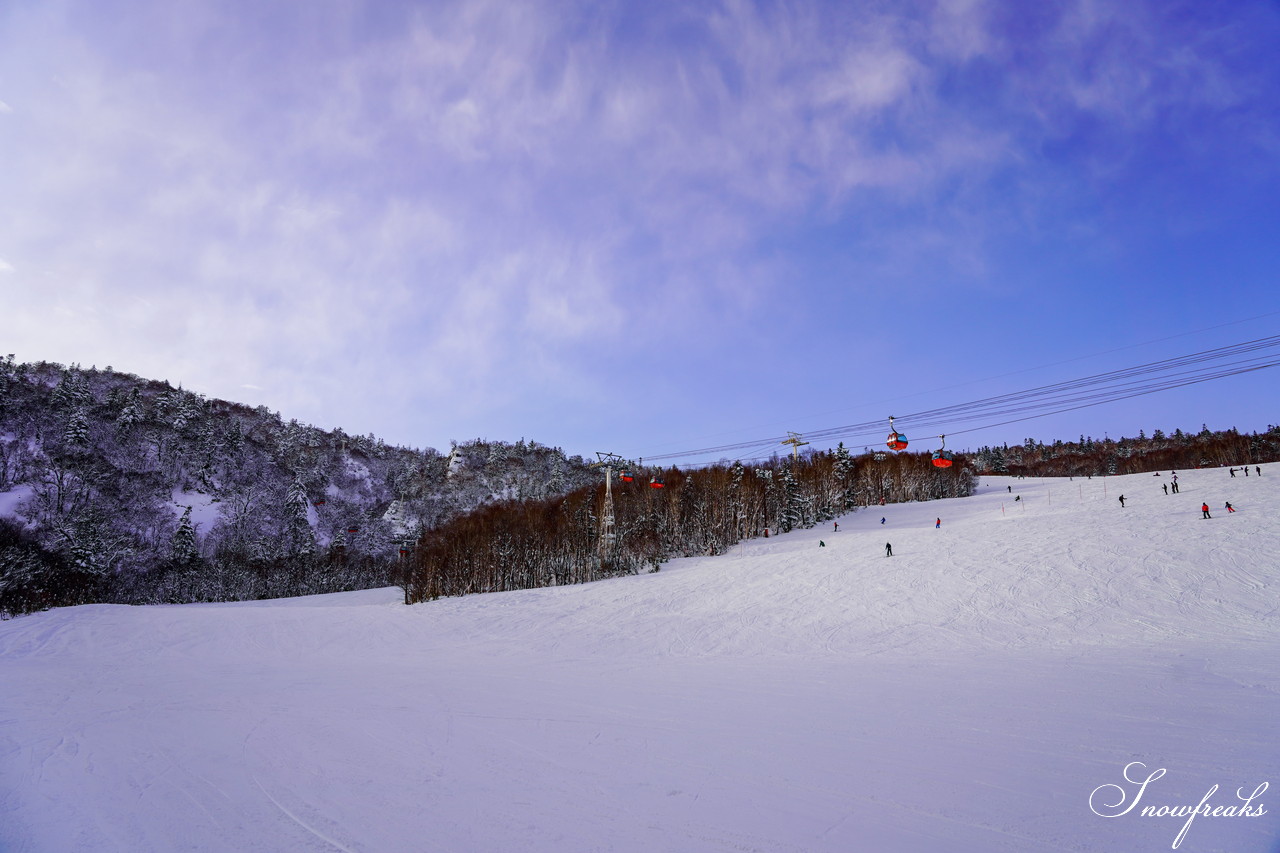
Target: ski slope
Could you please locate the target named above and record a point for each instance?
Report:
(967, 694)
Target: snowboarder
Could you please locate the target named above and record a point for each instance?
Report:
(1257, 469)
(937, 523)
(821, 544)
(1233, 473)
(882, 519)
(888, 550)
(1122, 501)
(1230, 508)
(1018, 498)
(1011, 490)
(1205, 509)
(1165, 486)
(1246, 470)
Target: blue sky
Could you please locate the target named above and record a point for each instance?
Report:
(642, 227)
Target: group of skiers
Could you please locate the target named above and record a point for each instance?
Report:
(1205, 512)
(1204, 507)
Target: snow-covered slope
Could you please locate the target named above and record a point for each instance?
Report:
(967, 694)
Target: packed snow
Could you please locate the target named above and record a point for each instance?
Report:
(993, 686)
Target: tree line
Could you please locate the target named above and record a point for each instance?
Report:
(1157, 452)
(563, 540)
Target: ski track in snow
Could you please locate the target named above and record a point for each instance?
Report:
(966, 694)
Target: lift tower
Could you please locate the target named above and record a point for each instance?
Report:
(607, 461)
(796, 444)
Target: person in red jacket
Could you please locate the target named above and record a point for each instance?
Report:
(1205, 509)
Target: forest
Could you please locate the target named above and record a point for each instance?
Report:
(119, 489)
(1091, 457)
(567, 539)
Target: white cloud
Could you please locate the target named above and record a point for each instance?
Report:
(483, 192)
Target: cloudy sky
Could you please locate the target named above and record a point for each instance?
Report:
(642, 227)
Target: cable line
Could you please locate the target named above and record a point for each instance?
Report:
(1044, 400)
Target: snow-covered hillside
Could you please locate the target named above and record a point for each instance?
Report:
(968, 694)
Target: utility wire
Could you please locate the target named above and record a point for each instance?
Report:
(1042, 401)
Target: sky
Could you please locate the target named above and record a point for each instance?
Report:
(642, 228)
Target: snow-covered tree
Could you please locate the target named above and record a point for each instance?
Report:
(298, 537)
(182, 548)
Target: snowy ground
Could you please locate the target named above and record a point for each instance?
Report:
(966, 695)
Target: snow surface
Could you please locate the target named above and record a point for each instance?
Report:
(206, 511)
(968, 694)
(12, 499)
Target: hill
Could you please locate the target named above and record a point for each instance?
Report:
(985, 689)
(122, 489)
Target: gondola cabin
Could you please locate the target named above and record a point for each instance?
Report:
(626, 476)
(896, 441)
(656, 483)
(943, 459)
(320, 502)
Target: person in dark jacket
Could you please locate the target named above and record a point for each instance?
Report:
(888, 550)
(1122, 500)
(1230, 508)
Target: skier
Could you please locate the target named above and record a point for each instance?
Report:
(888, 550)
(937, 524)
(1257, 469)
(1230, 508)
(1011, 490)
(882, 519)
(1205, 509)
(1246, 470)
(1233, 473)
(837, 527)
(1165, 486)
(821, 544)
(1122, 501)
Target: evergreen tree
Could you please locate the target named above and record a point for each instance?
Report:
(132, 412)
(793, 510)
(298, 537)
(843, 471)
(183, 546)
(76, 435)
